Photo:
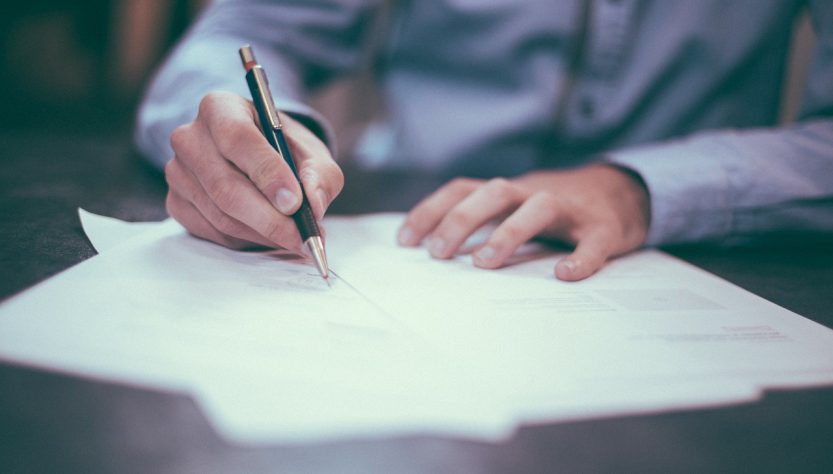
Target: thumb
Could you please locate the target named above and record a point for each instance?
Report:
(591, 252)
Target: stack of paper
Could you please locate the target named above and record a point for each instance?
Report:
(402, 343)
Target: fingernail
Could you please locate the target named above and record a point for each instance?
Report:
(304, 251)
(569, 266)
(405, 236)
(436, 247)
(485, 254)
(286, 201)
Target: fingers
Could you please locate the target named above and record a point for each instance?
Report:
(541, 211)
(591, 252)
(457, 210)
(481, 206)
(427, 214)
(186, 214)
(230, 190)
(600, 209)
(229, 173)
(185, 187)
(544, 213)
(231, 124)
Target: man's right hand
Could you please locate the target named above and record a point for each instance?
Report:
(226, 183)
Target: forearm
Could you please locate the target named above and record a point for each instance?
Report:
(726, 186)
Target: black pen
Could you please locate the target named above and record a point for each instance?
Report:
(272, 128)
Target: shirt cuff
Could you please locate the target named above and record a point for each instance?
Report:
(313, 120)
(689, 189)
(175, 94)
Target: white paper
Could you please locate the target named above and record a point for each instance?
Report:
(402, 343)
(108, 232)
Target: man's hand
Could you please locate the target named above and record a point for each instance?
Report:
(602, 210)
(228, 185)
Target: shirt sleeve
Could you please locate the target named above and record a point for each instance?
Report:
(300, 44)
(731, 186)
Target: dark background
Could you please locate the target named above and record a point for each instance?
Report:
(80, 68)
(76, 67)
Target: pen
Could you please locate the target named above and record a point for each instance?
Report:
(272, 128)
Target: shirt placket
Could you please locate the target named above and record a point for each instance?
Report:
(607, 33)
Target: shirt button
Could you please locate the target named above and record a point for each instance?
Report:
(586, 107)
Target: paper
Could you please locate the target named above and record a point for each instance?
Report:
(108, 232)
(402, 343)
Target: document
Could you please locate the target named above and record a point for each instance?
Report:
(402, 343)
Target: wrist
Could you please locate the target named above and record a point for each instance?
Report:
(630, 189)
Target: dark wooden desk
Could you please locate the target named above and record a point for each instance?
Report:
(55, 423)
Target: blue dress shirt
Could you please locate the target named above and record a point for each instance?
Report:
(683, 92)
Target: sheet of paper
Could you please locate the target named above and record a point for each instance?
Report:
(108, 232)
(649, 331)
(647, 305)
(402, 343)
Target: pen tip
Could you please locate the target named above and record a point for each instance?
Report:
(319, 257)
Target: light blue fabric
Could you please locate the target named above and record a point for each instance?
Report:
(684, 92)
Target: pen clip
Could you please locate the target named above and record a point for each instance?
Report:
(266, 97)
(261, 86)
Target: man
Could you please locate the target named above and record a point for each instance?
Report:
(608, 124)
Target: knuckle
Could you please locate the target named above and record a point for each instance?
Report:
(230, 139)
(458, 219)
(170, 174)
(181, 138)
(211, 102)
(500, 188)
(275, 231)
(227, 225)
(336, 177)
(169, 167)
(509, 231)
(264, 172)
(171, 205)
(225, 193)
(174, 173)
(218, 111)
(461, 184)
(550, 211)
(546, 204)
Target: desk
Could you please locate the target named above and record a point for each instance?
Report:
(56, 423)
